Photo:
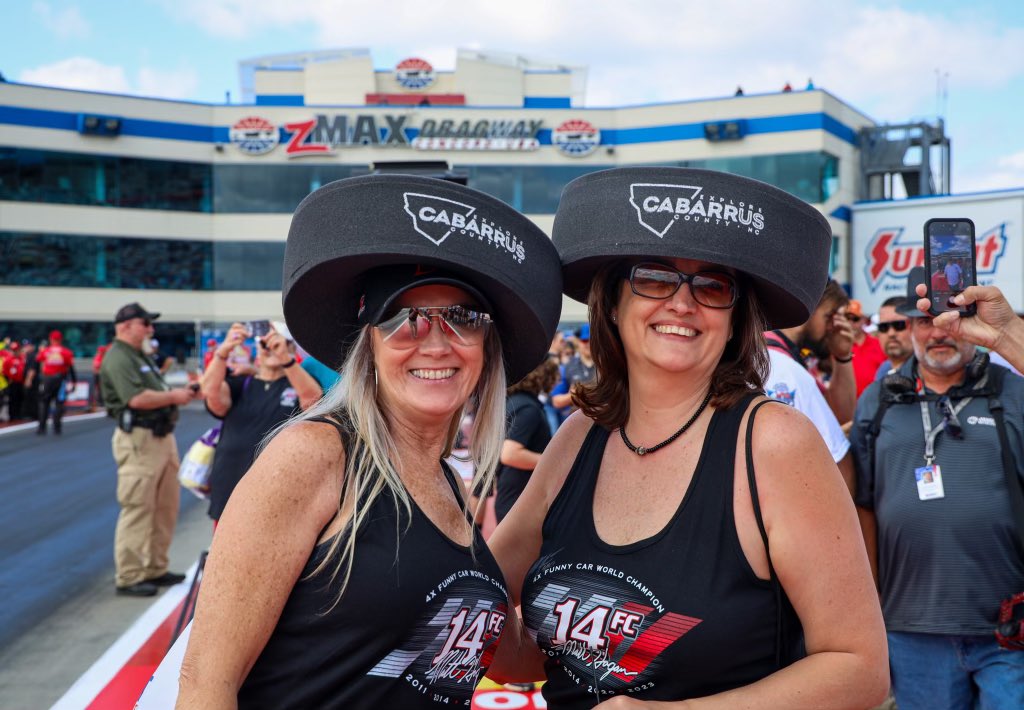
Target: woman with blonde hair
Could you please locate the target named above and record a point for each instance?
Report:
(345, 572)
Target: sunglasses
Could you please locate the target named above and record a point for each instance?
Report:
(949, 416)
(713, 289)
(897, 325)
(853, 319)
(409, 325)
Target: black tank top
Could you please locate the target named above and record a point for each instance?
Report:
(678, 615)
(416, 629)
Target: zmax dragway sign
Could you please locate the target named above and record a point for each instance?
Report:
(323, 134)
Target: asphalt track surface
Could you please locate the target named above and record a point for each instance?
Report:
(58, 509)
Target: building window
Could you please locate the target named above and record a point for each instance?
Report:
(80, 179)
(76, 261)
(253, 188)
(813, 177)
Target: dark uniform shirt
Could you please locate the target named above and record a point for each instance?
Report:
(126, 372)
(944, 564)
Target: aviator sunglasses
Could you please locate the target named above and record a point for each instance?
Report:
(408, 326)
(713, 289)
(897, 325)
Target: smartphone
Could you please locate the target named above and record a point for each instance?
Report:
(951, 263)
(259, 328)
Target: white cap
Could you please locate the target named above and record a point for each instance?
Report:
(280, 327)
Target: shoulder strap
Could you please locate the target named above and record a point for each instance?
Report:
(776, 340)
(245, 384)
(1013, 481)
(752, 483)
(343, 432)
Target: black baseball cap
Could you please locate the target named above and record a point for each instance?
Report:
(134, 310)
(909, 308)
(383, 286)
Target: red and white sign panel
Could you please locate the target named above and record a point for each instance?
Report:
(888, 241)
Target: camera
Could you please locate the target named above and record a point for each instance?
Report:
(259, 328)
(1010, 631)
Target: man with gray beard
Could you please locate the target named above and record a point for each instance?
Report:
(939, 526)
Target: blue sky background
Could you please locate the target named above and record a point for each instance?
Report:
(881, 56)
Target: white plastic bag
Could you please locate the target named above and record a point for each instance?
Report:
(194, 472)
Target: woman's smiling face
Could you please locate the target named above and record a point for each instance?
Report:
(676, 333)
(432, 380)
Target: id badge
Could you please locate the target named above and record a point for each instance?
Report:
(929, 482)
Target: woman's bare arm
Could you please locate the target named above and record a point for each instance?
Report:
(264, 539)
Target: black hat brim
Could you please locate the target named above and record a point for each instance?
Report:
(350, 227)
(600, 220)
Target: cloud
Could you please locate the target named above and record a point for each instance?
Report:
(1008, 172)
(66, 23)
(881, 56)
(88, 74)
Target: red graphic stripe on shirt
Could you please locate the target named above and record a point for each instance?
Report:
(649, 645)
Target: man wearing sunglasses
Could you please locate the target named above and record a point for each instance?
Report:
(939, 527)
(145, 409)
(894, 336)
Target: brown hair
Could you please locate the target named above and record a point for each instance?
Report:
(834, 295)
(741, 370)
(541, 379)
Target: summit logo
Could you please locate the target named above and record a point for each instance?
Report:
(659, 206)
(438, 218)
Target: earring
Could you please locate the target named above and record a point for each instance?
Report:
(615, 318)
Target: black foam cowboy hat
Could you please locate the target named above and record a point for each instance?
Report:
(779, 241)
(351, 236)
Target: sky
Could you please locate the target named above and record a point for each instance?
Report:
(886, 58)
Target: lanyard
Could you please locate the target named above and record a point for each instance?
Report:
(931, 434)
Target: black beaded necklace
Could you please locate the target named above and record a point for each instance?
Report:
(642, 450)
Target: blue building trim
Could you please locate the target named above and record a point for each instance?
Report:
(136, 127)
(546, 102)
(843, 212)
(280, 100)
(66, 120)
(755, 126)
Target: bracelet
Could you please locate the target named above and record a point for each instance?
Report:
(843, 360)
(221, 357)
(290, 364)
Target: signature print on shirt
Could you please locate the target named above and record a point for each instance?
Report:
(455, 639)
(606, 627)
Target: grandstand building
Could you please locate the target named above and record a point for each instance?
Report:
(107, 199)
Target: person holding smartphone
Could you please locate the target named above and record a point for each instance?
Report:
(251, 406)
(935, 503)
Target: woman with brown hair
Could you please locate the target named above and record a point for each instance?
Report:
(670, 546)
(527, 434)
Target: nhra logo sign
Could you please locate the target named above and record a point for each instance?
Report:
(437, 218)
(254, 135)
(414, 74)
(659, 206)
(576, 138)
(887, 256)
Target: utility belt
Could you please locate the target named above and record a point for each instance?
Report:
(161, 423)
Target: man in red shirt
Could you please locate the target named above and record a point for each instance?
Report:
(867, 352)
(97, 362)
(14, 371)
(56, 364)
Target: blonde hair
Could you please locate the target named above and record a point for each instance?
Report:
(370, 468)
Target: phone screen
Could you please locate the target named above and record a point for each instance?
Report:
(951, 262)
(259, 328)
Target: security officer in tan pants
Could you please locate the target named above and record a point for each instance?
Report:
(145, 410)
